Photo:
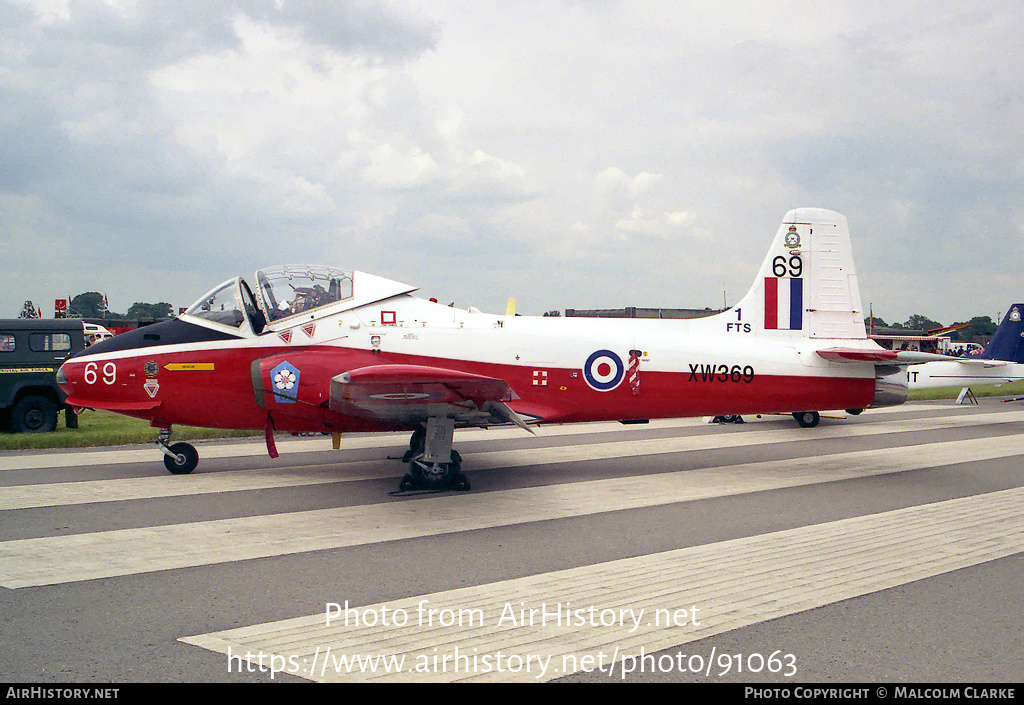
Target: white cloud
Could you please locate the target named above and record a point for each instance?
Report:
(615, 181)
(612, 179)
(388, 167)
(419, 138)
(642, 182)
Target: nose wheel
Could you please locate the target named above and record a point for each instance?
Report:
(183, 458)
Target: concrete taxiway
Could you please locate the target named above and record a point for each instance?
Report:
(883, 547)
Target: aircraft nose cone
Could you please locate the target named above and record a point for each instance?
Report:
(62, 379)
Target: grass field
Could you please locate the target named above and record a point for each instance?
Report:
(1014, 389)
(102, 428)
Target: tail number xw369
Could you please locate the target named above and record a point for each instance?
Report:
(92, 373)
(721, 373)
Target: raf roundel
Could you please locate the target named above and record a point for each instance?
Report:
(603, 370)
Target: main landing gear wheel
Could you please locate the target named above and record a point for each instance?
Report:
(424, 474)
(183, 458)
(807, 419)
(433, 463)
(416, 444)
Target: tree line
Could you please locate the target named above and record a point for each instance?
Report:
(93, 304)
(977, 326)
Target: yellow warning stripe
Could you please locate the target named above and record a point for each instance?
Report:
(189, 366)
(18, 370)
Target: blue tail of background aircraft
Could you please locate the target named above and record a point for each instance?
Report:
(1008, 342)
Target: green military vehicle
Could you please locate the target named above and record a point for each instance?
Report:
(31, 350)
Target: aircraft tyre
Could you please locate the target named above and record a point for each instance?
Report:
(460, 483)
(807, 419)
(418, 438)
(184, 460)
(424, 475)
(416, 443)
(854, 412)
(34, 414)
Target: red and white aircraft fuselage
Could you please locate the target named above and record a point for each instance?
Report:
(317, 349)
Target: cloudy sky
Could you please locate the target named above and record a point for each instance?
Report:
(569, 154)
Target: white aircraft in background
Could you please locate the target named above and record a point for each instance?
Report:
(1001, 362)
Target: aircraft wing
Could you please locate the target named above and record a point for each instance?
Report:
(881, 356)
(413, 393)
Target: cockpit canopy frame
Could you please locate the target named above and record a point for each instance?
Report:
(290, 290)
(284, 293)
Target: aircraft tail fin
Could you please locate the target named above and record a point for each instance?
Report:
(807, 286)
(1008, 341)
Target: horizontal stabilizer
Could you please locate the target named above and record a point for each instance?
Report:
(857, 355)
(881, 356)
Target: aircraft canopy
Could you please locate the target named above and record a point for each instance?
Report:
(281, 292)
(291, 289)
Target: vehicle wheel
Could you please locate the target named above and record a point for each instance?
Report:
(185, 458)
(70, 418)
(807, 419)
(854, 412)
(34, 414)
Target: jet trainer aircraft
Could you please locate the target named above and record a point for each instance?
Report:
(318, 349)
(1001, 362)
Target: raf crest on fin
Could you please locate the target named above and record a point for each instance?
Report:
(792, 237)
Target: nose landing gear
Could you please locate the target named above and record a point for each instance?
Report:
(179, 458)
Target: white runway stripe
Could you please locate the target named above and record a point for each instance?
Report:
(165, 485)
(731, 584)
(60, 559)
